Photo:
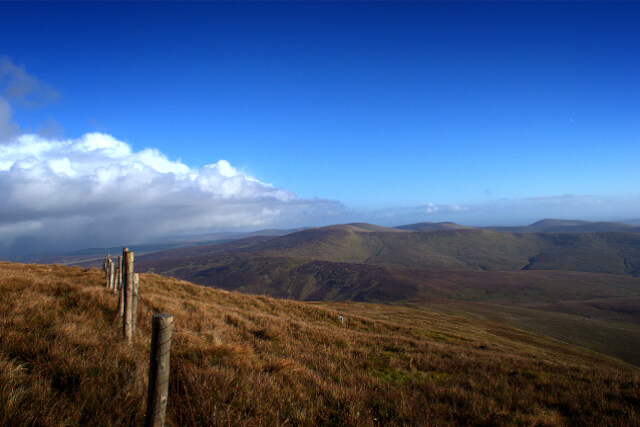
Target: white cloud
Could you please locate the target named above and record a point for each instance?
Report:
(95, 190)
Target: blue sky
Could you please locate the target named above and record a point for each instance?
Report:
(378, 106)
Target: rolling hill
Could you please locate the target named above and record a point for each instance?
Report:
(612, 252)
(91, 256)
(432, 226)
(570, 226)
(552, 277)
(252, 360)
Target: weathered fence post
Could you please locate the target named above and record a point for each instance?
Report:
(108, 274)
(112, 276)
(127, 320)
(120, 288)
(162, 325)
(106, 266)
(120, 271)
(134, 302)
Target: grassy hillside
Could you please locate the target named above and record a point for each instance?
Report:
(307, 279)
(443, 245)
(569, 226)
(612, 253)
(248, 360)
(596, 331)
(599, 311)
(431, 226)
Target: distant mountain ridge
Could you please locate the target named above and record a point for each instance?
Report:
(548, 225)
(465, 248)
(91, 256)
(432, 226)
(569, 226)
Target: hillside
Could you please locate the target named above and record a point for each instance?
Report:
(570, 226)
(554, 303)
(542, 226)
(250, 360)
(431, 226)
(199, 245)
(612, 253)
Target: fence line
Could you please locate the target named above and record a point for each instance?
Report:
(126, 282)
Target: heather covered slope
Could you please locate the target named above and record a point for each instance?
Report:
(249, 360)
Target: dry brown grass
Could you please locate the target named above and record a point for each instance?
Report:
(250, 360)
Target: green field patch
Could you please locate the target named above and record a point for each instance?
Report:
(398, 376)
(527, 374)
(438, 336)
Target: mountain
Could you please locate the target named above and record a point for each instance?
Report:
(542, 226)
(93, 256)
(432, 226)
(252, 360)
(597, 311)
(569, 226)
(613, 253)
(565, 281)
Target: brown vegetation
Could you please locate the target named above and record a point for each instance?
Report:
(252, 360)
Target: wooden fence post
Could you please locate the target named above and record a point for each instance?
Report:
(107, 263)
(127, 319)
(108, 274)
(134, 302)
(162, 325)
(120, 271)
(112, 276)
(120, 288)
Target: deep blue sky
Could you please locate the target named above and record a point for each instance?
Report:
(376, 105)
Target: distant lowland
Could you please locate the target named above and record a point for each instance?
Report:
(575, 281)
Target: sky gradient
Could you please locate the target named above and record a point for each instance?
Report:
(480, 113)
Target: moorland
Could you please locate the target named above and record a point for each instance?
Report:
(239, 359)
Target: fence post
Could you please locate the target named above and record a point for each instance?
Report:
(162, 325)
(120, 271)
(107, 263)
(107, 271)
(127, 320)
(134, 302)
(112, 278)
(120, 287)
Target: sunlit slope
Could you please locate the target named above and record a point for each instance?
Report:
(612, 253)
(570, 226)
(241, 359)
(598, 311)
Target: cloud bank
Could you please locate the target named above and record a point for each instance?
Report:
(61, 194)
(95, 191)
